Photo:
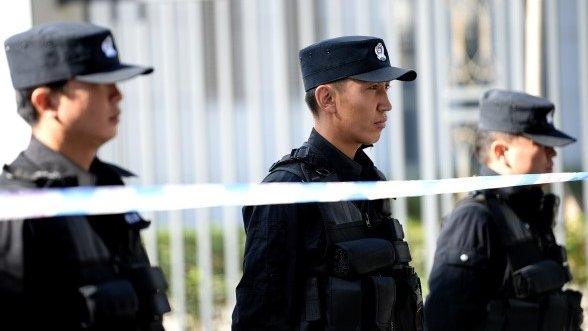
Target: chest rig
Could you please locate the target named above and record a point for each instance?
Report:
(531, 297)
(366, 282)
(94, 266)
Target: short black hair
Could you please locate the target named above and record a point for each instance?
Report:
(484, 140)
(24, 105)
(311, 102)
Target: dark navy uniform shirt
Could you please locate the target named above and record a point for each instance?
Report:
(285, 244)
(40, 259)
(470, 263)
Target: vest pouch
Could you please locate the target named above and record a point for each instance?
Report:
(555, 313)
(512, 315)
(539, 278)
(343, 305)
(108, 303)
(402, 251)
(522, 316)
(575, 311)
(358, 257)
(392, 229)
(382, 298)
(150, 284)
(495, 316)
(409, 304)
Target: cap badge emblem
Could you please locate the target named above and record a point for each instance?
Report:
(108, 47)
(380, 53)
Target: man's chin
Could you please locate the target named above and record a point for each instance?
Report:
(371, 140)
(106, 137)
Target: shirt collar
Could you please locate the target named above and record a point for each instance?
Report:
(348, 169)
(516, 196)
(53, 162)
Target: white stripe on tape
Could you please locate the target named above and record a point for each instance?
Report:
(28, 203)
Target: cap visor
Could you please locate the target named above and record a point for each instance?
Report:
(123, 72)
(386, 74)
(552, 138)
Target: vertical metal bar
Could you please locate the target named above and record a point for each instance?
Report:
(16, 16)
(582, 20)
(168, 77)
(502, 45)
(141, 112)
(193, 58)
(306, 36)
(440, 36)
(225, 102)
(397, 143)
(334, 18)
(206, 286)
(280, 78)
(553, 91)
(251, 65)
(306, 15)
(533, 47)
(516, 44)
(426, 120)
(362, 17)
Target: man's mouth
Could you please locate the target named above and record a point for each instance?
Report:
(381, 123)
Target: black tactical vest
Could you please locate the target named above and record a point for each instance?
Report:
(99, 275)
(367, 282)
(531, 297)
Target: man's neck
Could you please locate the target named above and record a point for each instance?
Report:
(498, 168)
(347, 148)
(79, 152)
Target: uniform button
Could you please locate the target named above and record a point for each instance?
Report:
(528, 226)
(464, 257)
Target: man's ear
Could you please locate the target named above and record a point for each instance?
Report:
(44, 101)
(325, 98)
(498, 151)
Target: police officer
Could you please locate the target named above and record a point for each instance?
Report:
(75, 272)
(341, 265)
(497, 264)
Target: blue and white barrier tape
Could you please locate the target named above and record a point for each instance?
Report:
(120, 199)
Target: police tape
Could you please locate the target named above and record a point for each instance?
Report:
(32, 203)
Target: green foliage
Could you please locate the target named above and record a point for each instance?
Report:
(415, 236)
(575, 243)
(192, 273)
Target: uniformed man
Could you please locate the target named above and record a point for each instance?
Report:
(75, 272)
(497, 264)
(342, 265)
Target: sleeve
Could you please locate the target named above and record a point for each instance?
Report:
(465, 271)
(267, 298)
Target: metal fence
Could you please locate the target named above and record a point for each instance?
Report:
(226, 101)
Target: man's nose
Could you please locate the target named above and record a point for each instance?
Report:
(385, 104)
